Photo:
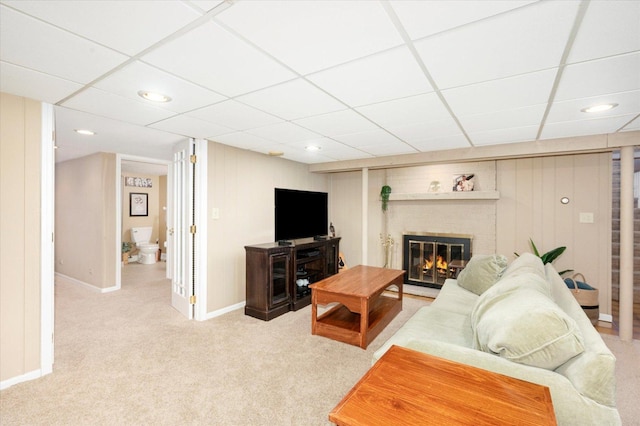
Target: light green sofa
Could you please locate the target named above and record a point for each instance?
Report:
(522, 321)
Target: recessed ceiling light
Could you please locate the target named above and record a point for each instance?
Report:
(599, 108)
(276, 153)
(153, 96)
(313, 148)
(85, 132)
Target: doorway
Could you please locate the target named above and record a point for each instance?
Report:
(150, 179)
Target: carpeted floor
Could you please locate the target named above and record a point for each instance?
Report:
(128, 358)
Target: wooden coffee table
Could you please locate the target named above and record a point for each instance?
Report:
(362, 310)
(407, 387)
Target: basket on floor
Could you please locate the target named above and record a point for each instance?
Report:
(586, 295)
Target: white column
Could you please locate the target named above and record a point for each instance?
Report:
(626, 243)
(365, 215)
(47, 222)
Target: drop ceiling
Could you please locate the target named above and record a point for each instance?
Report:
(357, 79)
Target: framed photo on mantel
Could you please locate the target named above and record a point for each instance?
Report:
(463, 182)
(138, 204)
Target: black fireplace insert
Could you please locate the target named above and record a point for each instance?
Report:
(427, 258)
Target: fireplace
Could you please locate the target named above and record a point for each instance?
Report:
(427, 258)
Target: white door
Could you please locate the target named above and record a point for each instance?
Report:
(179, 233)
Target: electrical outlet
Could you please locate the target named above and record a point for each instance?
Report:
(586, 217)
(215, 213)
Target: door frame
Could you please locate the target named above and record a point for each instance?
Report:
(47, 234)
(201, 179)
(200, 212)
(118, 206)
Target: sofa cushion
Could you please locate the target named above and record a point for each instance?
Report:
(431, 323)
(526, 262)
(525, 326)
(515, 282)
(482, 272)
(593, 371)
(454, 298)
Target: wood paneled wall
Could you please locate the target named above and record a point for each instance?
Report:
(530, 207)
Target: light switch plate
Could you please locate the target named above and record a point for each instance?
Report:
(586, 217)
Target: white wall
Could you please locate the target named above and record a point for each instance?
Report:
(529, 207)
(241, 187)
(530, 190)
(85, 220)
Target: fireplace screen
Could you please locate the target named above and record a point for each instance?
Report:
(429, 259)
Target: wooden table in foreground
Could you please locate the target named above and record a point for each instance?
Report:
(362, 311)
(407, 387)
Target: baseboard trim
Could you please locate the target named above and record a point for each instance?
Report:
(36, 374)
(70, 280)
(226, 310)
(605, 318)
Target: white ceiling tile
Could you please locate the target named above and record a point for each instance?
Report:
(211, 57)
(116, 107)
(381, 77)
(442, 143)
(235, 115)
(337, 123)
(504, 135)
(128, 81)
(416, 133)
(312, 35)
(329, 148)
(394, 148)
(190, 127)
(499, 95)
(246, 140)
(595, 126)
(33, 84)
(528, 39)
(30, 43)
(510, 118)
(284, 132)
(628, 103)
(594, 78)
(633, 125)
(415, 109)
(292, 100)
(206, 5)
(111, 136)
(608, 28)
(139, 23)
(423, 18)
(378, 137)
(302, 156)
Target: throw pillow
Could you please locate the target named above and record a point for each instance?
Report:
(482, 272)
(525, 326)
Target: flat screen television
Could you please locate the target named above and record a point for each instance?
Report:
(300, 214)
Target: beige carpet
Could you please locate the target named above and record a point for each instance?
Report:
(127, 358)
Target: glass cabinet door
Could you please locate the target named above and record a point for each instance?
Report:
(279, 290)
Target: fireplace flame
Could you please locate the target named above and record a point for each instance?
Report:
(441, 264)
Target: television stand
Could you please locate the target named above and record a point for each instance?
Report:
(278, 276)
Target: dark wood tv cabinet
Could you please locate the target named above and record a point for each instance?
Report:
(274, 272)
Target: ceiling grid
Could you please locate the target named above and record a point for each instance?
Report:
(360, 80)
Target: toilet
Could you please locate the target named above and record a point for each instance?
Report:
(141, 237)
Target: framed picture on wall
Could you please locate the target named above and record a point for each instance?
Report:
(138, 204)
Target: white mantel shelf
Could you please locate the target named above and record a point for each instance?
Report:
(460, 195)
